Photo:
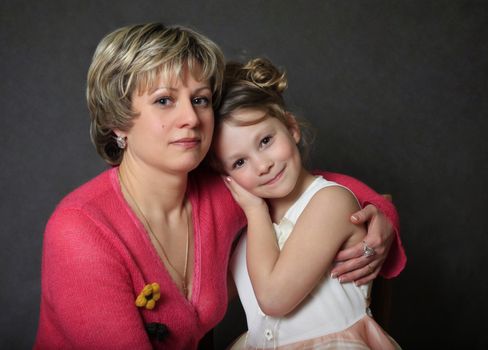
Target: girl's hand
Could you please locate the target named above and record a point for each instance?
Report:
(244, 198)
(356, 265)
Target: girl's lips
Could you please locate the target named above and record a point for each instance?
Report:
(276, 178)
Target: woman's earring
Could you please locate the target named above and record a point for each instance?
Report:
(121, 142)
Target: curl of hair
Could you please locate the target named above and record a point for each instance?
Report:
(134, 58)
(264, 74)
(255, 84)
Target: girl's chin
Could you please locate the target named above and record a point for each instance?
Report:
(278, 194)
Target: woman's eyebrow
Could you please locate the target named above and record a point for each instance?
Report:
(159, 88)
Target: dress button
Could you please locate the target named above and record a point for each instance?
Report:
(368, 312)
(268, 334)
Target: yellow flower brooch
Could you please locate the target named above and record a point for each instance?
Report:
(148, 296)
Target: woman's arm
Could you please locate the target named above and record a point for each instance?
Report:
(87, 298)
(282, 279)
(383, 235)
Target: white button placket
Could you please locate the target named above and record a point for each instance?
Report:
(270, 331)
(365, 290)
(267, 330)
(268, 334)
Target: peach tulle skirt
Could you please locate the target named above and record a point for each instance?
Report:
(364, 334)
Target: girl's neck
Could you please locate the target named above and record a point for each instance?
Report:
(155, 191)
(279, 206)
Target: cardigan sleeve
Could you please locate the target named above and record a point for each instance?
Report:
(396, 259)
(87, 301)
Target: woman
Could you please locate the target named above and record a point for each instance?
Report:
(137, 257)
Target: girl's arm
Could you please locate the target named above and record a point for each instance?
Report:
(383, 235)
(282, 279)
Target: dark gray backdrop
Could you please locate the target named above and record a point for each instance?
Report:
(397, 91)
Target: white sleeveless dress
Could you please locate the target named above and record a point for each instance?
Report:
(333, 316)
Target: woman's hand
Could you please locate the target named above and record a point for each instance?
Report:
(355, 264)
(246, 200)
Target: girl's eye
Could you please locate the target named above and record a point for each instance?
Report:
(266, 140)
(238, 164)
(201, 101)
(164, 101)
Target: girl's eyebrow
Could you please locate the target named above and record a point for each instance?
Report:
(256, 137)
(232, 158)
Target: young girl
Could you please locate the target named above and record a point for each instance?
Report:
(297, 222)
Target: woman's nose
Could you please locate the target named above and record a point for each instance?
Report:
(188, 115)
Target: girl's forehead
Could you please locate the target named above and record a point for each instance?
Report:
(248, 116)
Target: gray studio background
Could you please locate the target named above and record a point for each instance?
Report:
(396, 90)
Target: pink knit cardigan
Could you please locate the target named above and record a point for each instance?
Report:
(97, 258)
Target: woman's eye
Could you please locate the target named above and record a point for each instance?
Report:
(238, 164)
(201, 101)
(164, 101)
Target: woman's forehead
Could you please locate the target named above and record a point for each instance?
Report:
(171, 76)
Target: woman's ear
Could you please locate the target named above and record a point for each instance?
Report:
(293, 127)
(119, 133)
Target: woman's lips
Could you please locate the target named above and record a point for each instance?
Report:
(187, 142)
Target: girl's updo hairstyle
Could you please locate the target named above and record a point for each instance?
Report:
(255, 84)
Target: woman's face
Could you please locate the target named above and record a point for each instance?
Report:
(174, 126)
(263, 156)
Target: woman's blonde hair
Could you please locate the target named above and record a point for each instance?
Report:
(134, 58)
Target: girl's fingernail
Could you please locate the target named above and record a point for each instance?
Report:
(227, 178)
(333, 275)
(355, 218)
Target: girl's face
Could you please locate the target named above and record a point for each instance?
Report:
(174, 126)
(261, 156)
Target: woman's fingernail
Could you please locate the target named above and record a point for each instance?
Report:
(333, 275)
(227, 178)
(355, 218)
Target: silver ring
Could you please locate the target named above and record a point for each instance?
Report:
(368, 251)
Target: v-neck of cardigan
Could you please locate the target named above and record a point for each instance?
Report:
(195, 284)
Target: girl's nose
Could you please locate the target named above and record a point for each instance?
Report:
(265, 166)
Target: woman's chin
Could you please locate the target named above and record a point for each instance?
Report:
(185, 166)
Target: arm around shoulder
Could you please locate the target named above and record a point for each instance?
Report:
(396, 259)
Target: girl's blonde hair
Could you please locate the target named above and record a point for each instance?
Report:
(132, 59)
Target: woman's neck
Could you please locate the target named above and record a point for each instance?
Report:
(279, 206)
(155, 191)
